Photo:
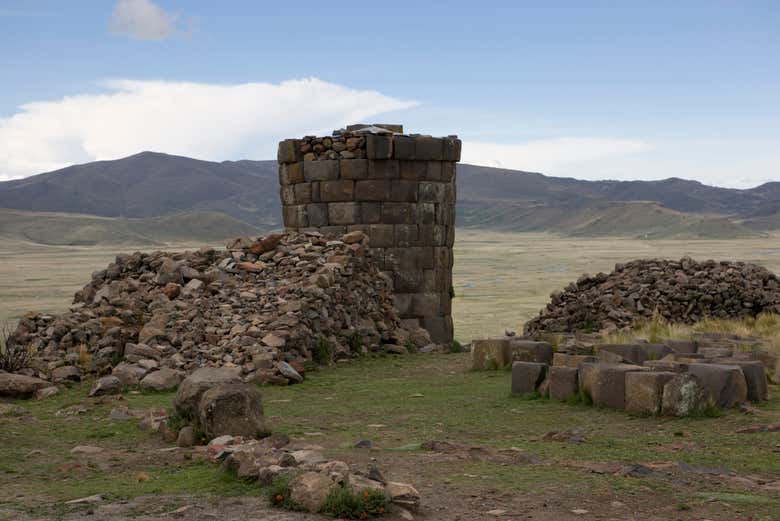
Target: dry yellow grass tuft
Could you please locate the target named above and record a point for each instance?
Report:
(766, 326)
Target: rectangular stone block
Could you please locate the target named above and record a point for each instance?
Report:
(381, 235)
(287, 194)
(429, 282)
(403, 191)
(315, 191)
(403, 147)
(606, 383)
(563, 382)
(683, 346)
(326, 170)
(405, 235)
(289, 151)
(412, 258)
(384, 169)
(527, 376)
(448, 193)
(431, 192)
(490, 354)
(426, 213)
(337, 191)
(379, 146)
(450, 239)
(409, 281)
(451, 149)
(628, 353)
(371, 212)
(333, 230)
(397, 213)
(344, 213)
(403, 303)
(755, 377)
(425, 235)
(434, 171)
(440, 329)
(372, 190)
(302, 193)
(445, 304)
(440, 235)
(353, 169)
(428, 148)
(445, 214)
(530, 351)
(442, 257)
(443, 280)
(447, 171)
(413, 170)
(317, 214)
(290, 173)
(425, 304)
(644, 391)
(294, 216)
(725, 385)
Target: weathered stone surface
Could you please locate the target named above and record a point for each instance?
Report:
(66, 374)
(20, 386)
(563, 383)
(163, 380)
(129, 374)
(725, 384)
(310, 490)
(490, 354)
(628, 353)
(192, 388)
(683, 395)
(683, 346)
(605, 383)
(233, 409)
(527, 376)
(644, 391)
(755, 377)
(529, 350)
(106, 385)
(403, 494)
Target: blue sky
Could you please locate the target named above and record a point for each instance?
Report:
(623, 90)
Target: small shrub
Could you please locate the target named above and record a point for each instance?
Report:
(343, 503)
(575, 399)
(356, 344)
(278, 494)
(177, 420)
(13, 356)
(586, 398)
(708, 411)
(322, 353)
(457, 347)
(410, 346)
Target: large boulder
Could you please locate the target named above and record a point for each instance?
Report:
(527, 376)
(20, 386)
(725, 384)
(683, 395)
(106, 385)
(234, 409)
(163, 380)
(129, 374)
(606, 383)
(644, 391)
(192, 388)
(310, 490)
(66, 374)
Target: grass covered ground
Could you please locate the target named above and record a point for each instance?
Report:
(399, 404)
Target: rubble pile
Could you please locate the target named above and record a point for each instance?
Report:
(680, 291)
(266, 307)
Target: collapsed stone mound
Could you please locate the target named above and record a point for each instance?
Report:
(263, 306)
(684, 291)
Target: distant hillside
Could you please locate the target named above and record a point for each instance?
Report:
(151, 184)
(67, 229)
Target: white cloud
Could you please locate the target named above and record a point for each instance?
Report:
(142, 19)
(554, 156)
(205, 121)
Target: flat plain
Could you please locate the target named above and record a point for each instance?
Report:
(501, 279)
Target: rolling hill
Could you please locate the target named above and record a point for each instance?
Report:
(156, 197)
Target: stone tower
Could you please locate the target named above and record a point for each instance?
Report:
(397, 188)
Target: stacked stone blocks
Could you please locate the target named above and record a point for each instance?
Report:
(400, 191)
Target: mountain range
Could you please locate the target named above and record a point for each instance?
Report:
(154, 197)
